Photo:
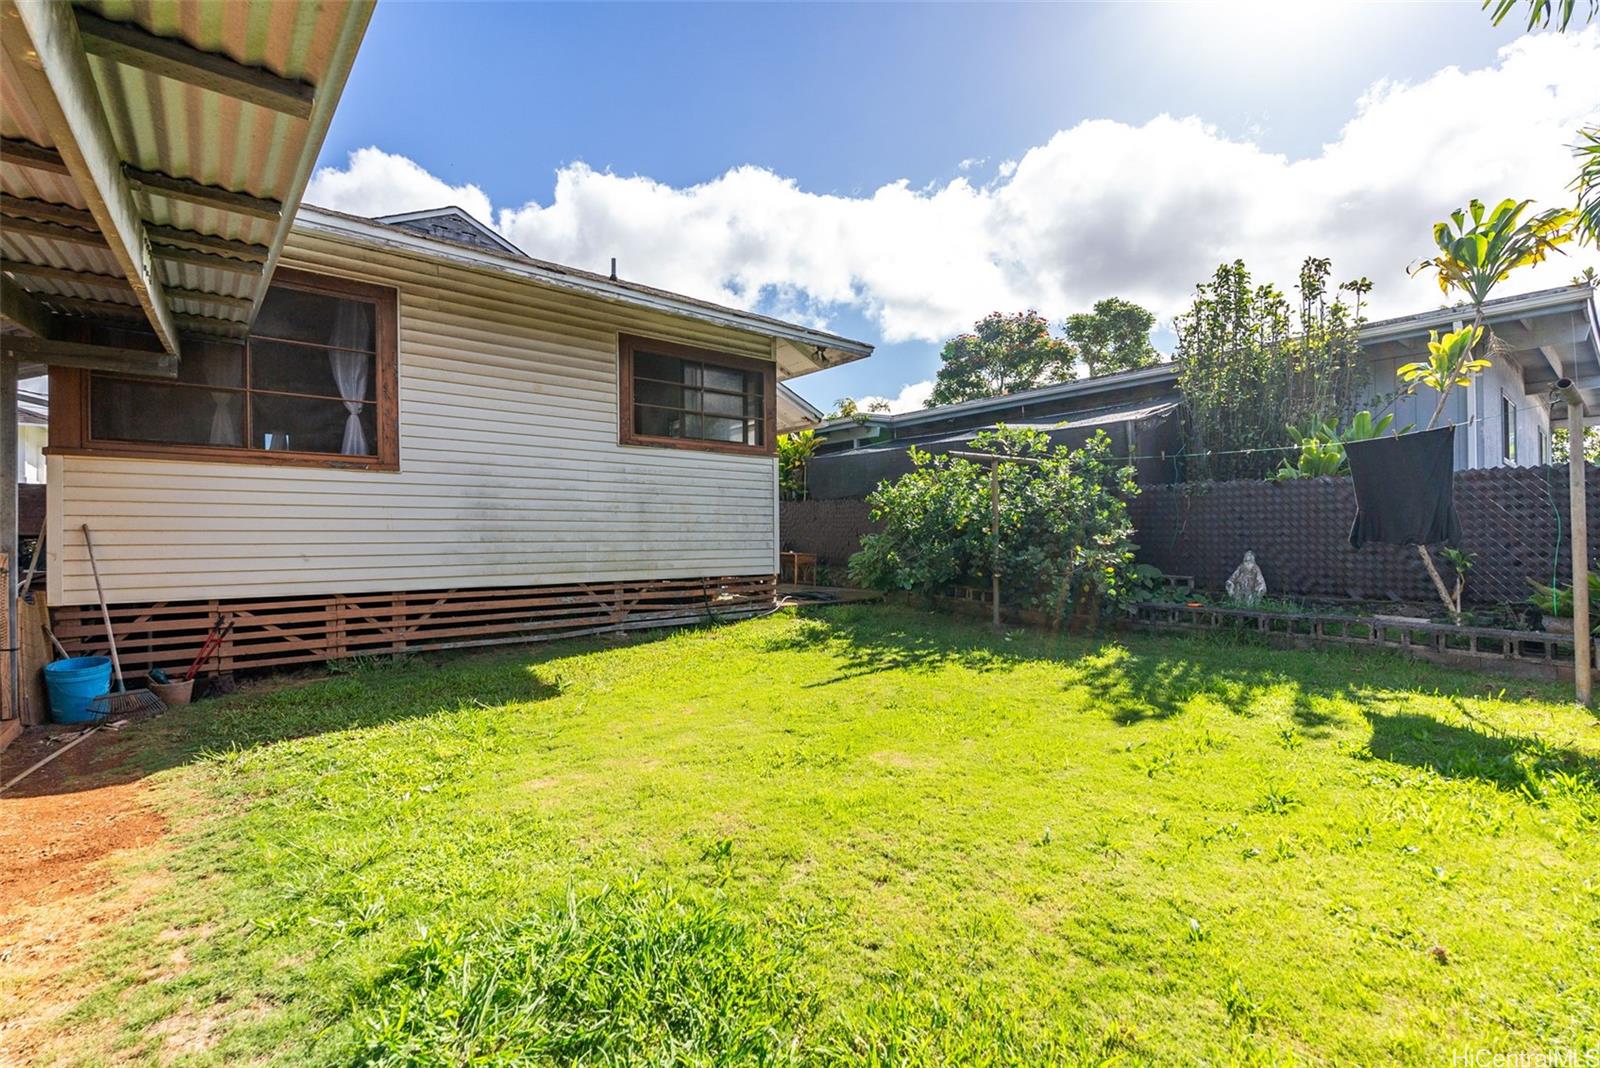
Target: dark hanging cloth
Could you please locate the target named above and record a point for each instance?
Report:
(1405, 488)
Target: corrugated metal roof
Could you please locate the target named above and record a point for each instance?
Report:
(177, 128)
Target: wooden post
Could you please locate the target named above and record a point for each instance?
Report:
(10, 688)
(994, 530)
(1578, 491)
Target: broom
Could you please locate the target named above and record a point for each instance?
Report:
(122, 700)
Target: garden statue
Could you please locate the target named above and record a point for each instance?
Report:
(1247, 585)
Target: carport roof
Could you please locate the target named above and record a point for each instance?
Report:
(154, 157)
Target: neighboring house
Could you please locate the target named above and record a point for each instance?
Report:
(1504, 417)
(33, 434)
(795, 412)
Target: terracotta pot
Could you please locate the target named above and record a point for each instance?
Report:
(173, 693)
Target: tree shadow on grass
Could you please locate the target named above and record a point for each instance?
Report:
(342, 696)
(1513, 762)
(1128, 683)
(865, 643)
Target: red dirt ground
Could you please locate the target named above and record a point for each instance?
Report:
(61, 831)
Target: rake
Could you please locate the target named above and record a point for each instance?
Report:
(121, 701)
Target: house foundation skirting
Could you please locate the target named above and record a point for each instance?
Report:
(301, 630)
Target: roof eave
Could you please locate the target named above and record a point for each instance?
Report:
(816, 348)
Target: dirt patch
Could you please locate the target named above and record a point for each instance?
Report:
(61, 832)
(57, 824)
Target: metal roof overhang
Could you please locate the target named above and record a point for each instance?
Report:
(154, 154)
(1549, 334)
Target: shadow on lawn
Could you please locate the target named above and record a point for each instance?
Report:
(1513, 762)
(341, 697)
(869, 643)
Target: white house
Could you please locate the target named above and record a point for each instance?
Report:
(438, 435)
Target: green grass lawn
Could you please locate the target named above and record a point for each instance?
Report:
(866, 835)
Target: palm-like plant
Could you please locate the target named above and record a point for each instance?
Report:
(1587, 183)
(1476, 250)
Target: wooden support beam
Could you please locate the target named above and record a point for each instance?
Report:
(207, 196)
(239, 250)
(115, 281)
(27, 208)
(37, 157)
(38, 351)
(173, 254)
(23, 308)
(21, 224)
(21, 153)
(1577, 492)
(172, 58)
(13, 207)
(109, 310)
(45, 54)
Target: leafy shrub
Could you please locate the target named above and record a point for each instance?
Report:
(1064, 528)
(626, 975)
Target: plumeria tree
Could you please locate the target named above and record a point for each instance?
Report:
(1476, 250)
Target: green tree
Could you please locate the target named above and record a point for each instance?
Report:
(1002, 354)
(1475, 250)
(1542, 14)
(1587, 183)
(1251, 366)
(850, 408)
(794, 453)
(1114, 337)
(1065, 537)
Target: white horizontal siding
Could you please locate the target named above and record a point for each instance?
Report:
(510, 471)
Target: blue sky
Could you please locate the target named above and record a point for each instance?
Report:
(824, 106)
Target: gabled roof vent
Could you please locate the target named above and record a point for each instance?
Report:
(452, 224)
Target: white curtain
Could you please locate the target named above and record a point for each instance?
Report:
(352, 328)
(224, 428)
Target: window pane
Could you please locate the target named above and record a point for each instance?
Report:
(717, 429)
(724, 404)
(302, 369)
(664, 368)
(662, 422)
(211, 363)
(658, 393)
(127, 410)
(725, 378)
(315, 317)
(302, 425)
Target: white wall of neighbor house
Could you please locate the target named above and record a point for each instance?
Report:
(1480, 442)
(510, 471)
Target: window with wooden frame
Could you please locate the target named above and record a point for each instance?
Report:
(680, 397)
(313, 384)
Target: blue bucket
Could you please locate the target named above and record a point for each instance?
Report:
(73, 684)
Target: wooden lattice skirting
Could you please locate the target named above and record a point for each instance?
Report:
(299, 630)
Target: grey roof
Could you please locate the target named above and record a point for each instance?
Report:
(1103, 417)
(33, 408)
(453, 224)
(1158, 374)
(1573, 298)
(1578, 298)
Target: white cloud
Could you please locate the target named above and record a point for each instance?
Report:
(1102, 208)
(912, 398)
(375, 182)
(971, 162)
